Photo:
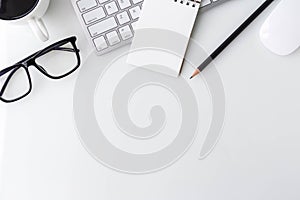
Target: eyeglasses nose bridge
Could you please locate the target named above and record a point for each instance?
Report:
(29, 63)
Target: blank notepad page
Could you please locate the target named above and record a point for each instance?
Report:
(162, 35)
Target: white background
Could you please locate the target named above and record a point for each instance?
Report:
(2, 112)
(257, 156)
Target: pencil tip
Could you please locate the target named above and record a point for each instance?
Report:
(191, 77)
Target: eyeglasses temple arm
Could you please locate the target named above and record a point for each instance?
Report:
(43, 52)
(66, 49)
(4, 71)
(57, 48)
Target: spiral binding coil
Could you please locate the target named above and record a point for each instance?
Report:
(189, 2)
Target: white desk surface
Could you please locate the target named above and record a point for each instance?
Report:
(256, 158)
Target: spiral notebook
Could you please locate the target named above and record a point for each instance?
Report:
(162, 35)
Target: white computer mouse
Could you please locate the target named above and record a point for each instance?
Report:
(280, 33)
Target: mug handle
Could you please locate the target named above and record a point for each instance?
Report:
(39, 29)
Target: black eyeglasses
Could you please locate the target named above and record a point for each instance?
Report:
(55, 61)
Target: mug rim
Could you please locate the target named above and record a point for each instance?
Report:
(23, 15)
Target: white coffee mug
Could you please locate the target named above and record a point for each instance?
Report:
(32, 17)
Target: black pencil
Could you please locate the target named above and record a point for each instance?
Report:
(239, 30)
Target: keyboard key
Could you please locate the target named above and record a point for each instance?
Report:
(125, 32)
(133, 25)
(205, 2)
(136, 1)
(135, 12)
(113, 38)
(124, 3)
(84, 5)
(100, 43)
(102, 26)
(94, 15)
(111, 8)
(103, 1)
(123, 17)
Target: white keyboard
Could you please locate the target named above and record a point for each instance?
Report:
(109, 24)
